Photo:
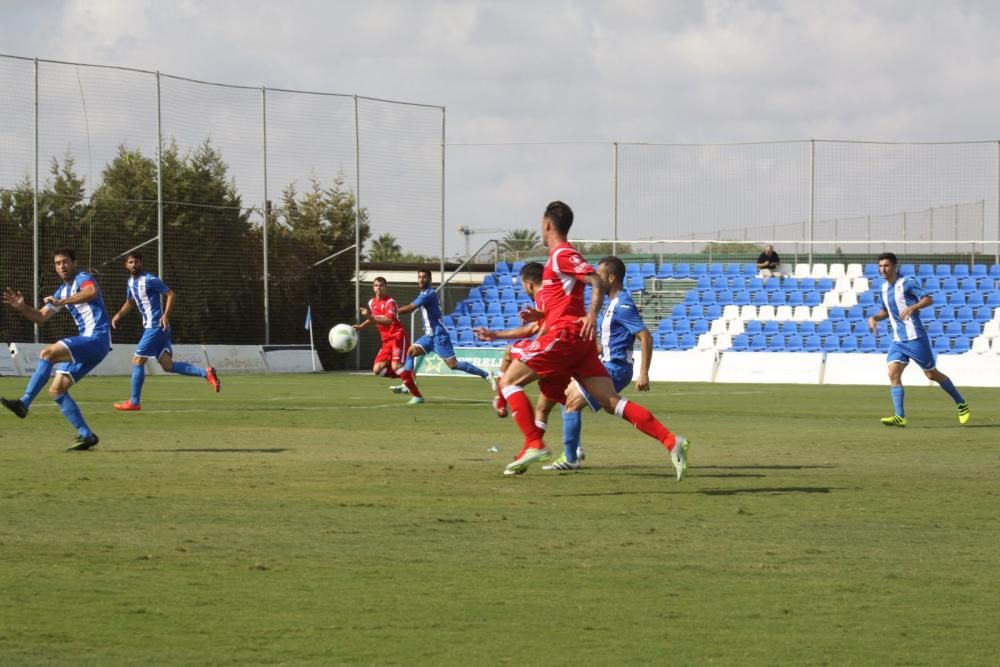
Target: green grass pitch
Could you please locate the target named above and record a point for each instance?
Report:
(317, 519)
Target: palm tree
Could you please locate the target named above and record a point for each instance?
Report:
(385, 249)
(521, 240)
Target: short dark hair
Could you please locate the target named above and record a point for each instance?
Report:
(561, 216)
(615, 266)
(532, 272)
(891, 256)
(380, 279)
(430, 274)
(65, 252)
(136, 254)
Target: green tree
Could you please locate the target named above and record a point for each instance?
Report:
(16, 237)
(731, 248)
(605, 248)
(385, 249)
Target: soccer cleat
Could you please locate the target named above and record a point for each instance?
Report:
(896, 420)
(399, 389)
(580, 454)
(15, 406)
(500, 405)
(127, 406)
(84, 443)
(963, 413)
(562, 463)
(491, 380)
(213, 379)
(528, 456)
(678, 456)
(416, 400)
(519, 470)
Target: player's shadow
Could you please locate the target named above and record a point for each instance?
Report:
(770, 490)
(220, 450)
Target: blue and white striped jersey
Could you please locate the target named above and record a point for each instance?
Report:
(430, 310)
(146, 291)
(901, 294)
(619, 327)
(91, 317)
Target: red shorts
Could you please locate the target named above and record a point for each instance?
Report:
(557, 357)
(393, 350)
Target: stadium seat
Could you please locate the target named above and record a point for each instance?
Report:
(465, 338)
(960, 270)
(509, 308)
(777, 298)
(848, 300)
(925, 270)
(776, 344)
(489, 280)
(706, 341)
(687, 341)
(480, 321)
(942, 270)
(795, 299)
(699, 326)
(647, 270)
(735, 328)
(703, 283)
(907, 269)
(824, 328)
(818, 313)
(856, 313)
(949, 284)
(708, 296)
(942, 345)
(801, 271)
(678, 310)
(666, 324)
(771, 328)
(498, 323)
(983, 314)
(812, 298)
(758, 343)
(995, 271)
(848, 344)
(980, 345)
(716, 269)
(783, 313)
(824, 284)
(871, 271)
(800, 313)
(788, 328)
(732, 312)
(964, 314)
(831, 299)
(831, 344)
(807, 285)
(748, 270)
(476, 308)
(682, 326)
(993, 301)
(512, 321)
(944, 313)
(819, 271)
(860, 285)
(733, 270)
(666, 270)
(682, 271)
(854, 271)
(502, 268)
(971, 328)
(867, 344)
(765, 313)
(741, 298)
(698, 270)
(953, 329)
(837, 271)
(836, 313)
(717, 327)
(842, 328)
(843, 284)
(748, 313)
(812, 343)
(691, 297)
(668, 341)
(719, 283)
(754, 284)
(695, 310)
(516, 267)
(935, 328)
(968, 284)
(793, 343)
(493, 308)
(713, 311)
(866, 299)
(723, 342)
(754, 327)
(741, 343)
(758, 296)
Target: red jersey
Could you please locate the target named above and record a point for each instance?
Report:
(562, 289)
(386, 308)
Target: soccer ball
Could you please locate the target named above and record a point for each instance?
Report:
(343, 338)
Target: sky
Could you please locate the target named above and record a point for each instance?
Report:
(536, 92)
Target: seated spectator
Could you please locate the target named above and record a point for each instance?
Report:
(768, 263)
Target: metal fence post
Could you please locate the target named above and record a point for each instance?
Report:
(614, 176)
(812, 197)
(36, 284)
(267, 212)
(443, 145)
(159, 181)
(357, 223)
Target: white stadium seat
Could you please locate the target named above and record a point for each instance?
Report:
(706, 341)
(819, 314)
(819, 271)
(860, 285)
(995, 346)
(723, 342)
(731, 312)
(992, 329)
(748, 313)
(980, 345)
(783, 313)
(831, 299)
(855, 271)
(848, 300)
(736, 327)
(717, 327)
(842, 285)
(837, 271)
(800, 314)
(765, 313)
(801, 270)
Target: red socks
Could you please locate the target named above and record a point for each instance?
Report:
(407, 378)
(644, 420)
(524, 415)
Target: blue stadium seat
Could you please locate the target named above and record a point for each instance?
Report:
(942, 270)
(772, 285)
(956, 298)
(508, 294)
(497, 322)
(509, 308)
(480, 321)
(807, 329)
(825, 328)
(463, 322)
(713, 311)
(842, 328)
(708, 296)
(984, 314)
(995, 271)
(489, 280)
(960, 270)
(476, 307)
(867, 344)
(788, 328)
(678, 310)
(748, 270)
(739, 282)
(503, 268)
(490, 293)
(972, 328)
(831, 344)
(908, 269)
(964, 314)
(813, 299)
(949, 284)
(699, 326)
(704, 282)
(776, 344)
(716, 269)
(758, 297)
(493, 308)
(755, 284)
(968, 284)
(953, 328)
(960, 344)
(795, 299)
(935, 328)
(687, 341)
(871, 271)
(634, 283)
(695, 310)
(516, 267)
(682, 326)
(666, 270)
(944, 313)
(793, 343)
(720, 283)
(725, 297)
(698, 270)
(512, 321)
(790, 284)
(866, 298)
(807, 284)
(647, 270)
(734, 269)
(666, 324)
(824, 285)
(754, 327)
(848, 344)
(741, 343)
(742, 298)
(979, 270)
(812, 343)
(777, 298)
(691, 297)
(993, 301)
(771, 328)
(929, 284)
(682, 270)
(836, 314)
(856, 313)
(758, 343)
(942, 345)
(925, 270)
(668, 341)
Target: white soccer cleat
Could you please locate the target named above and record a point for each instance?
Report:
(678, 456)
(530, 456)
(580, 454)
(399, 389)
(562, 463)
(491, 380)
(519, 470)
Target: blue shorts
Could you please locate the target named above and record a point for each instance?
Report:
(87, 352)
(918, 350)
(154, 343)
(621, 376)
(439, 343)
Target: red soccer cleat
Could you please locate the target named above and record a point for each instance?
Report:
(127, 406)
(213, 379)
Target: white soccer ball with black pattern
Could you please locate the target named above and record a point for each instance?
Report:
(343, 338)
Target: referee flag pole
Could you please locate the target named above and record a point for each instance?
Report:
(312, 345)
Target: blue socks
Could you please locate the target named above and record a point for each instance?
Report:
(572, 424)
(897, 400)
(138, 377)
(949, 387)
(37, 381)
(71, 411)
(409, 363)
(184, 368)
(466, 367)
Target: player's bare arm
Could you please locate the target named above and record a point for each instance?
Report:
(168, 308)
(408, 308)
(876, 318)
(905, 313)
(126, 308)
(88, 293)
(588, 323)
(517, 333)
(15, 300)
(646, 343)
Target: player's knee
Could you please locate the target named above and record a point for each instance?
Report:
(610, 403)
(166, 364)
(56, 390)
(48, 354)
(452, 362)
